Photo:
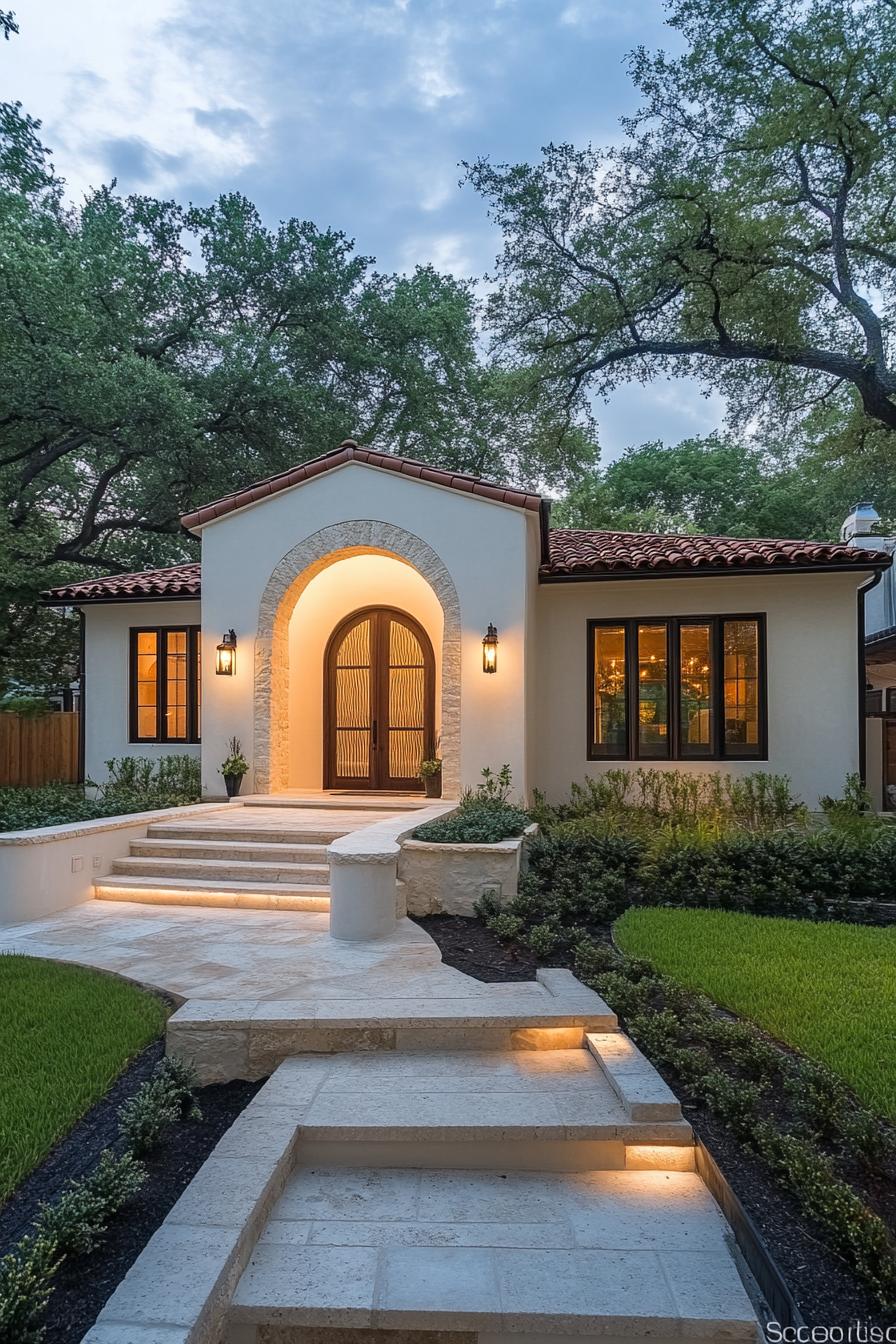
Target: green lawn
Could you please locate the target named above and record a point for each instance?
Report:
(65, 1032)
(828, 990)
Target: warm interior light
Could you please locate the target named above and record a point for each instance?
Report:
(490, 650)
(225, 656)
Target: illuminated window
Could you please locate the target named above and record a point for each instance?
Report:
(677, 688)
(164, 684)
(695, 707)
(740, 651)
(609, 691)
(653, 690)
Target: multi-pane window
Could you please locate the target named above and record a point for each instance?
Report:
(677, 688)
(165, 684)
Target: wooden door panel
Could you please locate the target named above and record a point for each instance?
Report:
(379, 710)
(351, 698)
(404, 707)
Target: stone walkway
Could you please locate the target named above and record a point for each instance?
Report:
(209, 953)
(430, 1154)
(482, 1195)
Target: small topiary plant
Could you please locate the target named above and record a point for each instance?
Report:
(78, 1221)
(165, 1098)
(26, 1281)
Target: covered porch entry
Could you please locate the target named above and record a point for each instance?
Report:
(363, 690)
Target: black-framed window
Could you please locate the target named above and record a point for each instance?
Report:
(677, 688)
(164, 683)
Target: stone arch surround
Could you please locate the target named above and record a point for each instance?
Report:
(290, 577)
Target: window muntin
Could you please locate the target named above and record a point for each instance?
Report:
(609, 686)
(164, 684)
(677, 688)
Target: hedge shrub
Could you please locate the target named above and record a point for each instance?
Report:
(133, 785)
(581, 876)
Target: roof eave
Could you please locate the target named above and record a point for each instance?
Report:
(351, 453)
(47, 599)
(617, 575)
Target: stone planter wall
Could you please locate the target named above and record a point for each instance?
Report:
(450, 879)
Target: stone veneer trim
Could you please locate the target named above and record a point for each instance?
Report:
(290, 577)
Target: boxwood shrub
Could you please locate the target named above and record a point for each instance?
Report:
(480, 822)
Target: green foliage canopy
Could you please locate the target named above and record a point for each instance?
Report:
(744, 230)
(153, 356)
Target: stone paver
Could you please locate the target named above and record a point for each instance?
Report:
(599, 1251)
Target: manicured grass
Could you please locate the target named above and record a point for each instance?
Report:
(65, 1032)
(828, 990)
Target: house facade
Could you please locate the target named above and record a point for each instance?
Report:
(351, 613)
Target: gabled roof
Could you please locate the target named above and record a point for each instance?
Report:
(350, 451)
(175, 581)
(575, 554)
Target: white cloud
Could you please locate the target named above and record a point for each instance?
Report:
(111, 87)
(448, 252)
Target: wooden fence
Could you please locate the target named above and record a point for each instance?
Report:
(38, 751)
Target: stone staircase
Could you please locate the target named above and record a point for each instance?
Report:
(467, 1183)
(501, 1193)
(259, 857)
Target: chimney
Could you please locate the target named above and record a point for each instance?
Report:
(861, 522)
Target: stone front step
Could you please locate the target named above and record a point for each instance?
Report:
(210, 870)
(638, 1255)
(516, 1106)
(384, 803)
(509, 1192)
(226, 834)
(248, 850)
(249, 1038)
(186, 891)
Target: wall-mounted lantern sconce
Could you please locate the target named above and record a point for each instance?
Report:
(225, 656)
(490, 650)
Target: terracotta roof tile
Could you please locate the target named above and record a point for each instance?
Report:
(349, 451)
(579, 554)
(175, 581)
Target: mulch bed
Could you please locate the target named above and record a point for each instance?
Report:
(82, 1288)
(822, 1284)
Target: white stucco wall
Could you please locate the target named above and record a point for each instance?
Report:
(483, 546)
(107, 635)
(348, 585)
(812, 671)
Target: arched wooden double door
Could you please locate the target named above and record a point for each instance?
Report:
(379, 701)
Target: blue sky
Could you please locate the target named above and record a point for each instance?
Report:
(353, 113)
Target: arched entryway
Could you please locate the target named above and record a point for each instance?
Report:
(289, 579)
(379, 701)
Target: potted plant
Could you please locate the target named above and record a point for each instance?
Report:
(234, 767)
(431, 771)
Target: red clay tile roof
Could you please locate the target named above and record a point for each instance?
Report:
(349, 451)
(175, 581)
(579, 554)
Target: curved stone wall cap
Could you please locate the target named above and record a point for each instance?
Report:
(380, 842)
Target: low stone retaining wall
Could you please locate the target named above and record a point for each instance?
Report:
(52, 867)
(450, 879)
